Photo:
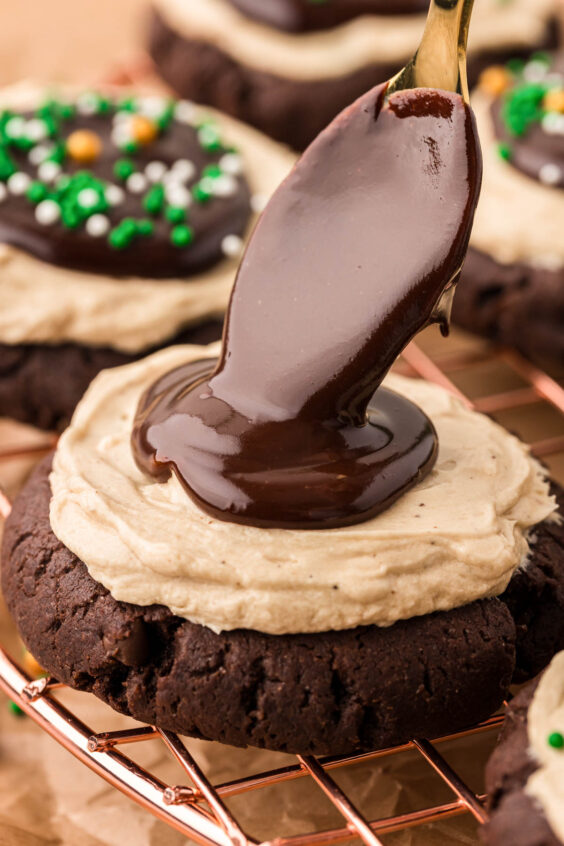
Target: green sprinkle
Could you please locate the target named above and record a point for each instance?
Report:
(57, 154)
(15, 709)
(119, 239)
(145, 227)
(523, 107)
(182, 236)
(541, 56)
(130, 147)
(504, 151)
(153, 200)
(70, 218)
(200, 193)
(36, 192)
(123, 169)
(209, 138)
(66, 111)
(7, 166)
(175, 214)
(127, 105)
(166, 117)
(212, 171)
(556, 740)
(515, 66)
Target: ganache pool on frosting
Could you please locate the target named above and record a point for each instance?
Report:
(358, 250)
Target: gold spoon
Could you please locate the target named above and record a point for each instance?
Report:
(440, 61)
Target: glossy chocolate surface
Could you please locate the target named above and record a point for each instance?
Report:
(356, 252)
(154, 256)
(307, 15)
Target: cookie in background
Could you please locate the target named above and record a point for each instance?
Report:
(512, 286)
(289, 66)
(121, 220)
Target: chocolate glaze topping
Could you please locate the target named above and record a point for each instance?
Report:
(356, 252)
(155, 251)
(307, 15)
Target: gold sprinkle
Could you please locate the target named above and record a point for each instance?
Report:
(554, 100)
(83, 145)
(142, 129)
(495, 80)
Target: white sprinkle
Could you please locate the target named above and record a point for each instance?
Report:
(36, 130)
(38, 154)
(87, 104)
(231, 163)
(18, 183)
(232, 246)
(155, 171)
(550, 174)
(97, 225)
(15, 127)
(535, 71)
(258, 203)
(553, 123)
(121, 117)
(3, 192)
(178, 195)
(114, 195)
(87, 198)
(48, 171)
(121, 133)
(151, 107)
(185, 112)
(224, 186)
(47, 212)
(136, 183)
(183, 170)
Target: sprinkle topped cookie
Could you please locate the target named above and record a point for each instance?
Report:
(528, 115)
(131, 185)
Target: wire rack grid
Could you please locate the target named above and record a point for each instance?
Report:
(198, 808)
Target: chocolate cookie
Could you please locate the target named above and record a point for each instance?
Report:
(41, 384)
(516, 818)
(512, 284)
(290, 110)
(332, 692)
(517, 305)
(131, 186)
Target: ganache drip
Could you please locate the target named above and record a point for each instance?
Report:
(357, 251)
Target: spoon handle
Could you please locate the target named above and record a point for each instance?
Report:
(440, 61)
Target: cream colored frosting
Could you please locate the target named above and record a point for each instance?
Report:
(546, 715)
(518, 218)
(43, 303)
(456, 537)
(351, 46)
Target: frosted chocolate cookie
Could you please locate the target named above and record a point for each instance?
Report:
(513, 279)
(273, 541)
(289, 66)
(525, 775)
(121, 219)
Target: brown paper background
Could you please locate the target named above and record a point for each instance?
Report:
(46, 797)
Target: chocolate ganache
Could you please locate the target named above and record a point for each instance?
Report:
(129, 186)
(358, 249)
(308, 15)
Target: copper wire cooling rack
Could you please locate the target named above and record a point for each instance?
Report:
(196, 807)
